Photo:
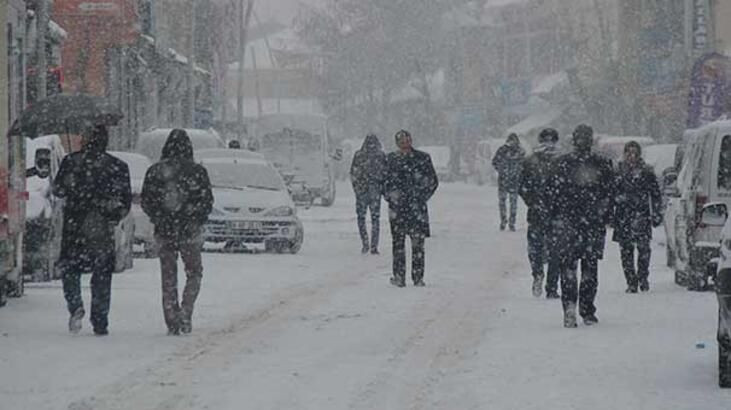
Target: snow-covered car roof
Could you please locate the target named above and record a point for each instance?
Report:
(228, 153)
(151, 142)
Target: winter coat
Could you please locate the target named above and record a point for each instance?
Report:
(537, 170)
(368, 170)
(508, 161)
(581, 193)
(176, 193)
(637, 204)
(410, 182)
(96, 190)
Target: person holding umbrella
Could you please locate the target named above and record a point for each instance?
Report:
(97, 194)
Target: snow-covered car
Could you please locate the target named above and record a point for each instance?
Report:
(298, 146)
(660, 157)
(44, 212)
(251, 206)
(144, 231)
(704, 178)
(150, 143)
(612, 147)
(440, 156)
(715, 214)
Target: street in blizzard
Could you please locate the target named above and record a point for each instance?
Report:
(503, 204)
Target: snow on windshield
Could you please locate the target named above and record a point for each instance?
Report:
(241, 175)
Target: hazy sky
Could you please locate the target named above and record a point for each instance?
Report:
(281, 10)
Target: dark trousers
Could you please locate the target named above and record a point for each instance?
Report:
(539, 254)
(363, 204)
(642, 271)
(102, 268)
(190, 252)
(503, 196)
(585, 291)
(399, 254)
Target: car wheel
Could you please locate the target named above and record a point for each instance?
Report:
(3, 293)
(16, 289)
(680, 278)
(724, 367)
(295, 245)
(671, 259)
(151, 251)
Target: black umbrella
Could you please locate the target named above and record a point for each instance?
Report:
(64, 113)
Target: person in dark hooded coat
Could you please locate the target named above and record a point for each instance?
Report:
(177, 197)
(537, 170)
(508, 161)
(637, 209)
(410, 182)
(582, 194)
(96, 190)
(367, 174)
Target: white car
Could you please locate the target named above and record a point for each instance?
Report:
(251, 206)
(704, 178)
(144, 231)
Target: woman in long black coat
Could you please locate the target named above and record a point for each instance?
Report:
(638, 208)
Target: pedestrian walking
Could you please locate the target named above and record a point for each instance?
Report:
(410, 182)
(177, 197)
(367, 174)
(508, 163)
(638, 208)
(95, 187)
(534, 189)
(581, 206)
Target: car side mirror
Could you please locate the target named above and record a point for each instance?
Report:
(714, 214)
(670, 184)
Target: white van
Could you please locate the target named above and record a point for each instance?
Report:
(703, 180)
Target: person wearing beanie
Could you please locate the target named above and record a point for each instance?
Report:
(537, 170)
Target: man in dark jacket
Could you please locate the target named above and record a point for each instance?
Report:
(508, 163)
(637, 208)
(581, 192)
(537, 169)
(367, 174)
(177, 197)
(97, 194)
(410, 182)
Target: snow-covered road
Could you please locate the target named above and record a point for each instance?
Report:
(324, 330)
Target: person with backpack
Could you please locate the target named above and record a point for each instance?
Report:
(177, 197)
(508, 162)
(367, 174)
(537, 170)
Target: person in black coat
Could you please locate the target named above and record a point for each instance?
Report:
(508, 162)
(537, 169)
(177, 197)
(637, 209)
(410, 182)
(582, 193)
(367, 174)
(96, 190)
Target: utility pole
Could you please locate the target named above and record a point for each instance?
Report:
(244, 19)
(41, 62)
(190, 123)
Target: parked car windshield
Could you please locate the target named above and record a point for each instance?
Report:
(244, 175)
